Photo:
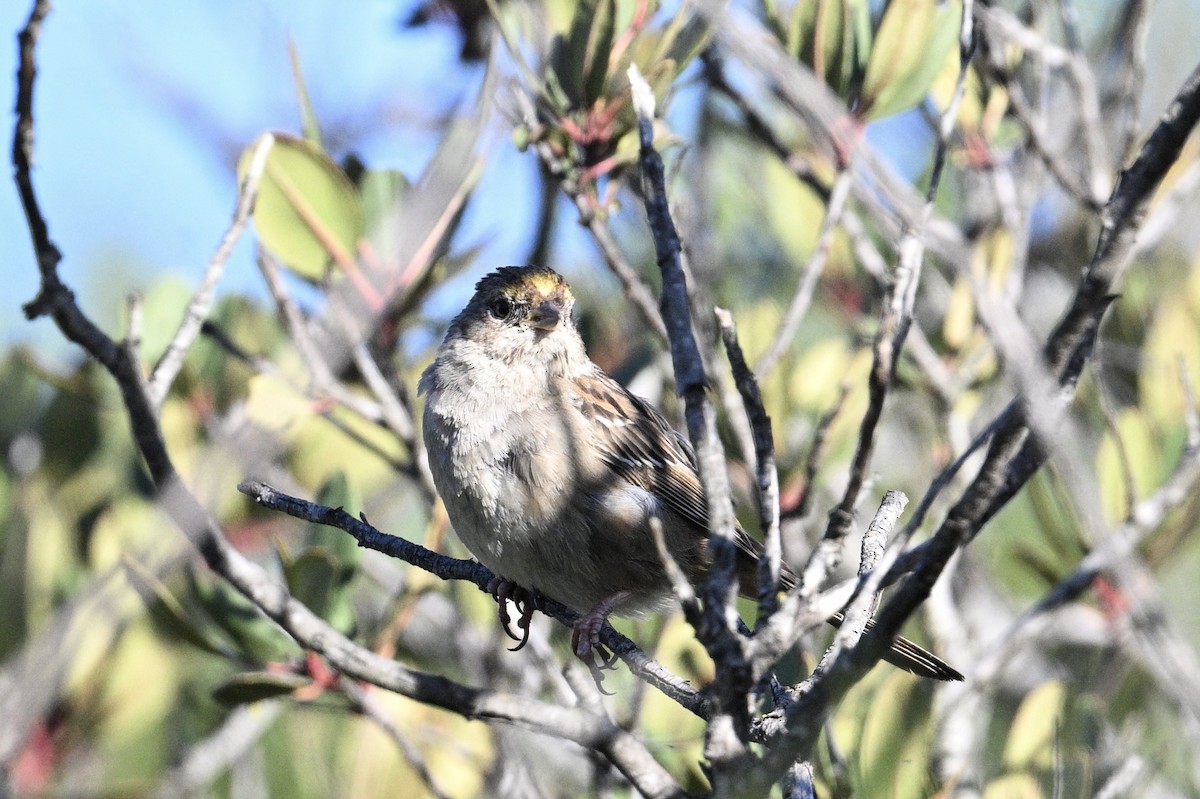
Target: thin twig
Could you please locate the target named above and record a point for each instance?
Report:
(171, 361)
(807, 285)
(205, 761)
(1173, 201)
(1132, 35)
(367, 704)
(895, 321)
(321, 370)
(683, 589)
(947, 386)
(1013, 455)
(873, 545)
(770, 564)
(886, 196)
(387, 408)
(635, 288)
(1161, 650)
(816, 454)
(1125, 466)
(805, 716)
(1125, 780)
(1090, 128)
(1023, 113)
(263, 366)
(757, 125)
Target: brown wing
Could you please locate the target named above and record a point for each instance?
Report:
(641, 447)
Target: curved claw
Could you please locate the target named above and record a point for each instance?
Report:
(503, 591)
(597, 673)
(523, 625)
(608, 658)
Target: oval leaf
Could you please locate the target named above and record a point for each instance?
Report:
(818, 34)
(165, 610)
(383, 192)
(252, 686)
(1034, 730)
(910, 49)
(307, 211)
(337, 492)
(599, 47)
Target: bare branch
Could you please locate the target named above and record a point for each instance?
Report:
(369, 706)
(770, 564)
(171, 361)
(210, 758)
(873, 544)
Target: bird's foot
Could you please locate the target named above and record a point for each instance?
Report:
(503, 591)
(585, 637)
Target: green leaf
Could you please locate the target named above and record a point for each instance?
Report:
(338, 492)
(71, 429)
(382, 191)
(958, 320)
(256, 637)
(253, 686)
(856, 46)
(818, 34)
(318, 579)
(1145, 456)
(687, 34)
(19, 374)
(792, 212)
(554, 93)
(1041, 564)
(310, 577)
(1033, 734)
(385, 194)
(911, 47)
(599, 46)
(1021, 785)
(892, 746)
(308, 117)
(307, 212)
(166, 611)
(1173, 339)
(568, 56)
(275, 405)
(579, 62)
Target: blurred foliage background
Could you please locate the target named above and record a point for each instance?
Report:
(129, 669)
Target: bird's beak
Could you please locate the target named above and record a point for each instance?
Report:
(546, 315)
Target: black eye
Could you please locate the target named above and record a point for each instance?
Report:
(501, 308)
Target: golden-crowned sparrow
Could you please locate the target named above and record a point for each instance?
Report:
(551, 471)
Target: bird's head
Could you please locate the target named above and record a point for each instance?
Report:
(521, 310)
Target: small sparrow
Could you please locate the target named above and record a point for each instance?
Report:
(551, 471)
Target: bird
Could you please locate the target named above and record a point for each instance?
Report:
(551, 471)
